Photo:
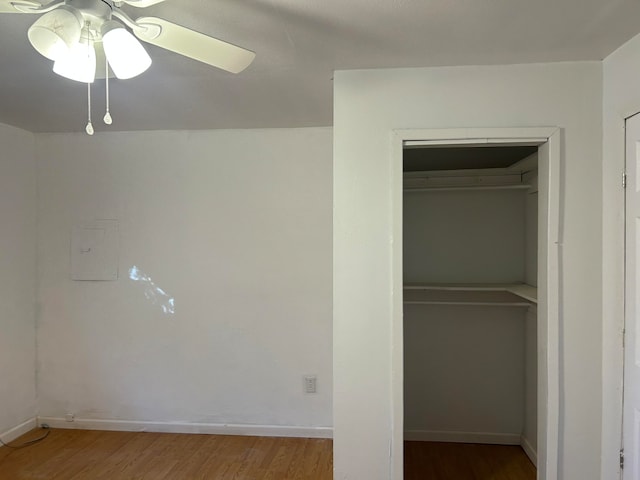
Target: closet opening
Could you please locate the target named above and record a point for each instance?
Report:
(470, 335)
(475, 350)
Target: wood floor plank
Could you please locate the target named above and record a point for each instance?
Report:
(153, 461)
(104, 445)
(192, 463)
(250, 468)
(280, 460)
(56, 452)
(181, 450)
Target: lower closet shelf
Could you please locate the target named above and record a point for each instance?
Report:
(507, 295)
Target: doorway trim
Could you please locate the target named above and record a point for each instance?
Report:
(549, 276)
(626, 455)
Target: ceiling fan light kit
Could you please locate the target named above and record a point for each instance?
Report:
(69, 33)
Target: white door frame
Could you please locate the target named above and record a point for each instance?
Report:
(629, 457)
(549, 284)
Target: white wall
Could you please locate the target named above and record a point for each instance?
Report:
(530, 424)
(530, 431)
(464, 236)
(621, 98)
(236, 227)
(369, 105)
(464, 372)
(531, 230)
(17, 278)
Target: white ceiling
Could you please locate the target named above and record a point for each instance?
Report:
(299, 43)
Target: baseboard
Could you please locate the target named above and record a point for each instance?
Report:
(529, 450)
(462, 437)
(18, 431)
(175, 427)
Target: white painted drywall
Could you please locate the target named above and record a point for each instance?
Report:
(235, 226)
(464, 236)
(531, 230)
(17, 278)
(621, 98)
(464, 369)
(368, 106)
(530, 426)
(530, 431)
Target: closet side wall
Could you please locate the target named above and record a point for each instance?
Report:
(530, 432)
(531, 229)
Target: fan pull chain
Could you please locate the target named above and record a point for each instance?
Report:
(107, 116)
(89, 127)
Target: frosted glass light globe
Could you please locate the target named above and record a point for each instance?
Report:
(55, 32)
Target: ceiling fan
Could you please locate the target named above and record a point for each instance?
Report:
(82, 36)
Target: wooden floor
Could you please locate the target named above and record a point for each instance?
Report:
(97, 455)
(466, 461)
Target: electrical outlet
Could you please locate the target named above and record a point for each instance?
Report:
(69, 417)
(310, 383)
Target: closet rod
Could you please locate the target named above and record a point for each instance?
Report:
(471, 304)
(468, 187)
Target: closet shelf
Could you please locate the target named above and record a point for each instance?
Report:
(484, 179)
(508, 295)
(467, 187)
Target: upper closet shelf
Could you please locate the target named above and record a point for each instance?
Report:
(487, 179)
(510, 295)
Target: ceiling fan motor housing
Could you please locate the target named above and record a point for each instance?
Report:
(94, 13)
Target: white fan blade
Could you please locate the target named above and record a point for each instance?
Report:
(7, 6)
(142, 3)
(194, 45)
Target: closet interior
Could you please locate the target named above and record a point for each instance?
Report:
(470, 234)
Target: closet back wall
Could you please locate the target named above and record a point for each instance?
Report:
(464, 236)
(235, 226)
(464, 365)
(464, 373)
